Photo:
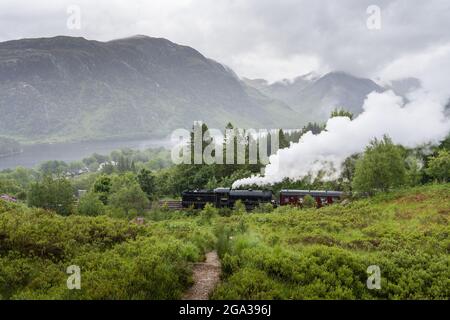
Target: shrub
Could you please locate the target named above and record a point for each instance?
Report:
(52, 194)
(239, 208)
(439, 166)
(381, 168)
(208, 213)
(264, 208)
(309, 202)
(90, 205)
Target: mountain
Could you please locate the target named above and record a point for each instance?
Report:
(315, 96)
(285, 90)
(66, 88)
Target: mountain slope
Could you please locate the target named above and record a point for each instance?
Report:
(315, 97)
(65, 88)
(285, 90)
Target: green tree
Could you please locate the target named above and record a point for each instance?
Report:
(102, 187)
(414, 172)
(341, 113)
(129, 198)
(53, 167)
(381, 167)
(91, 205)
(283, 142)
(439, 166)
(348, 171)
(147, 182)
(52, 194)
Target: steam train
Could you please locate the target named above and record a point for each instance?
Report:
(226, 198)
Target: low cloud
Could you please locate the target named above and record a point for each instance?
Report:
(257, 38)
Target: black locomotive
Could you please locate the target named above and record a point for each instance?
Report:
(226, 198)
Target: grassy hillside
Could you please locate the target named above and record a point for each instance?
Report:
(309, 254)
(286, 254)
(118, 259)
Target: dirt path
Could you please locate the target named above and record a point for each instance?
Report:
(206, 276)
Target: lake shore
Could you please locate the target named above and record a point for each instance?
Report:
(34, 154)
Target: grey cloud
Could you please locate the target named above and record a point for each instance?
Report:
(334, 33)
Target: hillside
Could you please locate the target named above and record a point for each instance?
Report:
(65, 88)
(324, 254)
(315, 96)
(284, 254)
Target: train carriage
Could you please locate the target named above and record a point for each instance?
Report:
(296, 197)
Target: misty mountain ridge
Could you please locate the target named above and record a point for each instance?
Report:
(69, 88)
(315, 97)
(66, 88)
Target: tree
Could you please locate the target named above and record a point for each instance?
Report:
(102, 187)
(76, 166)
(284, 143)
(348, 170)
(341, 113)
(147, 182)
(53, 167)
(381, 167)
(129, 198)
(439, 166)
(91, 205)
(414, 172)
(52, 194)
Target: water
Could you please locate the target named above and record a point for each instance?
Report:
(68, 152)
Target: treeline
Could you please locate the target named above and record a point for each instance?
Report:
(126, 182)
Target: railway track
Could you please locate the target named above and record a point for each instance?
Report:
(171, 204)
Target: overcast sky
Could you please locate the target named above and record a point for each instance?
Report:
(269, 39)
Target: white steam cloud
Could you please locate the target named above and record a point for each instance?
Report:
(419, 121)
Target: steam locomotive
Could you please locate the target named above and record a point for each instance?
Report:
(226, 198)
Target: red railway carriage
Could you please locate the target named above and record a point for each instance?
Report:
(295, 197)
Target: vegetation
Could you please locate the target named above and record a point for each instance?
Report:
(286, 253)
(325, 253)
(341, 113)
(380, 168)
(85, 214)
(439, 166)
(309, 202)
(118, 259)
(91, 205)
(52, 194)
